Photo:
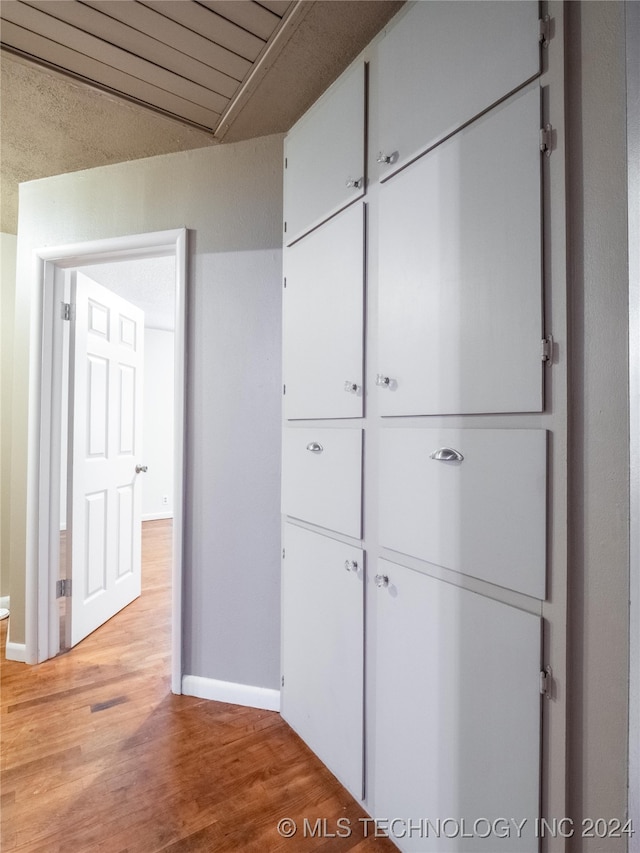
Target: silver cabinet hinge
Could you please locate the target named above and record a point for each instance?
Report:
(284, 389)
(283, 553)
(63, 589)
(65, 310)
(285, 283)
(546, 139)
(282, 681)
(544, 30)
(546, 352)
(546, 682)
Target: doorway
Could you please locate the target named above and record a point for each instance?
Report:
(43, 622)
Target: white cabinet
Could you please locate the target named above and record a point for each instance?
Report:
(444, 63)
(471, 500)
(457, 720)
(322, 478)
(323, 634)
(324, 156)
(323, 320)
(460, 265)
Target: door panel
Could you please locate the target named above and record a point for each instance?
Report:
(457, 730)
(323, 153)
(106, 433)
(322, 697)
(460, 315)
(484, 515)
(426, 90)
(323, 320)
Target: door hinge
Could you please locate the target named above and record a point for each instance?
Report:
(63, 588)
(546, 353)
(546, 682)
(544, 30)
(65, 310)
(546, 139)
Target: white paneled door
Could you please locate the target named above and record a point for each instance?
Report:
(107, 341)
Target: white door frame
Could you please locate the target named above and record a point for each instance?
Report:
(43, 491)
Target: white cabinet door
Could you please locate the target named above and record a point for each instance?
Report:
(322, 695)
(444, 63)
(324, 156)
(322, 478)
(323, 320)
(457, 726)
(483, 514)
(460, 255)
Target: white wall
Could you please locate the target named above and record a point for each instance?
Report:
(230, 199)
(7, 305)
(157, 424)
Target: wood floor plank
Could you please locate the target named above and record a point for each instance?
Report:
(98, 756)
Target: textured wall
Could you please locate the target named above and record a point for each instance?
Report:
(230, 198)
(7, 303)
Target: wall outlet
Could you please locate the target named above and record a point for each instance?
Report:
(165, 499)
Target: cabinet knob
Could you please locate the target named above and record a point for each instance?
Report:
(447, 454)
(354, 183)
(383, 381)
(381, 581)
(141, 469)
(314, 447)
(351, 565)
(384, 158)
(351, 387)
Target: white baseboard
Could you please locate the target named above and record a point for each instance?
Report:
(227, 691)
(156, 516)
(5, 601)
(16, 651)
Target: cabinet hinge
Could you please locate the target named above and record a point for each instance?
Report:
(544, 30)
(65, 310)
(546, 352)
(546, 139)
(282, 681)
(285, 283)
(285, 227)
(286, 162)
(546, 682)
(283, 553)
(63, 589)
(284, 390)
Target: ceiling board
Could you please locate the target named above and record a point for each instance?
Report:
(246, 14)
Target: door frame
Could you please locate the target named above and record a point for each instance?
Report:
(44, 473)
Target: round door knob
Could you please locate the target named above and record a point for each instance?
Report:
(383, 381)
(141, 469)
(381, 581)
(351, 387)
(351, 565)
(384, 158)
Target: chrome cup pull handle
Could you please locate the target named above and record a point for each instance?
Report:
(447, 454)
(314, 447)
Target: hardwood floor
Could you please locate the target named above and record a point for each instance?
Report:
(98, 755)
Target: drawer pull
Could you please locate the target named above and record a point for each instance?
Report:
(447, 454)
(381, 581)
(351, 565)
(314, 447)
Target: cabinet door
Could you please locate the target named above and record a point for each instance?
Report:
(324, 156)
(460, 251)
(483, 514)
(457, 728)
(323, 641)
(445, 63)
(322, 478)
(323, 320)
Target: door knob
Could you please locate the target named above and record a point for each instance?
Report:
(354, 183)
(383, 381)
(381, 581)
(141, 469)
(351, 565)
(351, 387)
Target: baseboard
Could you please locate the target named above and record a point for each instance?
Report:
(16, 651)
(156, 516)
(227, 691)
(5, 601)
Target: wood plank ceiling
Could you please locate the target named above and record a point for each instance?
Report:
(189, 59)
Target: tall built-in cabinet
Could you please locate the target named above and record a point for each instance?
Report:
(417, 433)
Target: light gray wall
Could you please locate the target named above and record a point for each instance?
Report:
(599, 455)
(230, 197)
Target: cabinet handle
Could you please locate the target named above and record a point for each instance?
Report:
(384, 158)
(141, 469)
(381, 581)
(447, 454)
(354, 183)
(383, 381)
(351, 565)
(351, 387)
(314, 447)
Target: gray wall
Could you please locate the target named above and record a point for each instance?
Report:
(599, 456)
(230, 199)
